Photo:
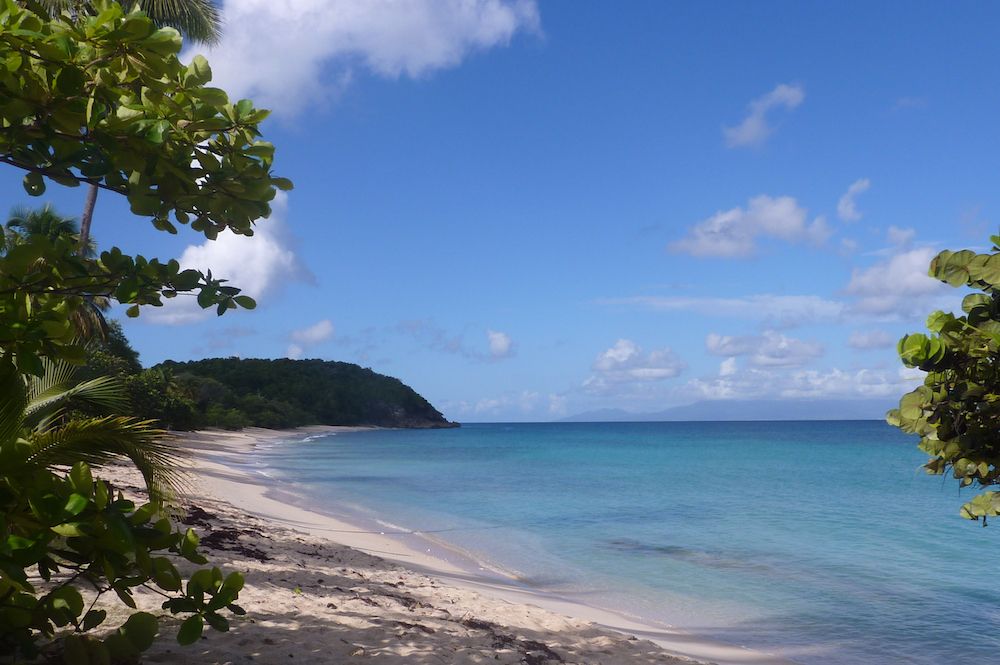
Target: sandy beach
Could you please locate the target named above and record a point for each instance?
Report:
(320, 590)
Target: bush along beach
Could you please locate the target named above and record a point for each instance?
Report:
(956, 412)
(94, 95)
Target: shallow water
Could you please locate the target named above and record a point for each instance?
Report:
(822, 541)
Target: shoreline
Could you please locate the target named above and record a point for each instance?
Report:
(220, 470)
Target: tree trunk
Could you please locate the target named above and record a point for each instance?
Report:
(86, 217)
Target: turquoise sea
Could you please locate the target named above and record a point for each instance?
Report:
(821, 541)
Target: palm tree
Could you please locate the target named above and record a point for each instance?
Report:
(26, 223)
(39, 415)
(197, 20)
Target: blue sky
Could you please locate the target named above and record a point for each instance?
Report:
(528, 210)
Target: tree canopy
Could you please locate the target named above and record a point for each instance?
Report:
(237, 392)
(100, 97)
(956, 412)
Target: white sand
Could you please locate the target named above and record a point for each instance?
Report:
(320, 590)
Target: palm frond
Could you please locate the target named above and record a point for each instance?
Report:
(198, 20)
(101, 441)
(13, 398)
(54, 392)
(55, 376)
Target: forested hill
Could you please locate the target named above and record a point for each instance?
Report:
(288, 393)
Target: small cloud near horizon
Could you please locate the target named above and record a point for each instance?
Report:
(769, 349)
(625, 362)
(304, 339)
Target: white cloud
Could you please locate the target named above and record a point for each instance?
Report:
(840, 383)
(727, 367)
(754, 129)
(898, 287)
(500, 343)
(773, 310)
(847, 208)
(870, 339)
(314, 334)
(769, 349)
(260, 264)
(625, 362)
(848, 246)
(734, 233)
(518, 406)
(306, 338)
(526, 401)
(291, 54)
(900, 237)
(762, 383)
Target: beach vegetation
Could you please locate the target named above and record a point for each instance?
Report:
(69, 538)
(67, 419)
(94, 95)
(153, 393)
(956, 410)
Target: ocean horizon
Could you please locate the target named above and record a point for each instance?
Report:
(819, 541)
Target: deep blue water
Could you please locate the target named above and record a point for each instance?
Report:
(824, 541)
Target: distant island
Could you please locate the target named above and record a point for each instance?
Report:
(234, 392)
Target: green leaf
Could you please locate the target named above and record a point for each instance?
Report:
(81, 479)
(76, 504)
(125, 596)
(165, 574)
(94, 618)
(68, 599)
(243, 108)
(217, 622)
(101, 495)
(140, 629)
(198, 72)
(191, 630)
(34, 184)
(69, 529)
